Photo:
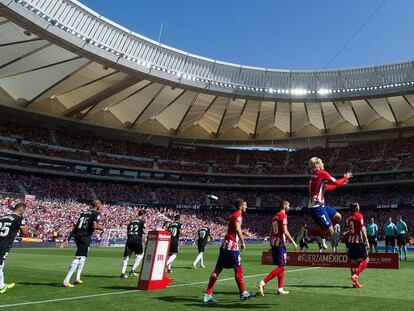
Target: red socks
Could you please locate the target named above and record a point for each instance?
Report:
(212, 281)
(278, 272)
(362, 266)
(281, 278)
(238, 274)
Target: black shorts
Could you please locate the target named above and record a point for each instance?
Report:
(3, 254)
(82, 244)
(174, 247)
(401, 240)
(133, 246)
(372, 239)
(357, 251)
(201, 247)
(390, 240)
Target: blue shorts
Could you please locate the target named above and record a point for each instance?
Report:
(279, 255)
(357, 251)
(323, 215)
(228, 259)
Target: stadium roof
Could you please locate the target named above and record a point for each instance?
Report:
(59, 58)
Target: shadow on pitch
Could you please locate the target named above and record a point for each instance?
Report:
(53, 284)
(319, 286)
(196, 302)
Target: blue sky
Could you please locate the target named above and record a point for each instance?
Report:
(291, 34)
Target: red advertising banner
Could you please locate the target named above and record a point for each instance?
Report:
(338, 260)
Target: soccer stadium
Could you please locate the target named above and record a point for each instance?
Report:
(134, 174)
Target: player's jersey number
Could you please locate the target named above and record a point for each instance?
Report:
(202, 234)
(83, 222)
(173, 232)
(133, 229)
(5, 228)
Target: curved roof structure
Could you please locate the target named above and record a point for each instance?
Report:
(59, 58)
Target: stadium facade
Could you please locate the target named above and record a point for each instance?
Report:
(60, 62)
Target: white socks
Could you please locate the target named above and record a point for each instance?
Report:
(77, 263)
(170, 260)
(124, 265)
(1, 276)
(138, 259)
(80, 267)
(199, 258)
(72, 270)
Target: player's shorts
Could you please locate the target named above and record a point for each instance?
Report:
(357, 251)
(303, 245)
(279, 255)
(228, 259)
(174, 247)
(4, 252)
(334, 241)
(401, 240)
(390, 240)
(133, 246)
(322, 215)
(82, 244)
(201, 247)
(372, 239)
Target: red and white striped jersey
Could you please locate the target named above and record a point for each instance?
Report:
(320, 182)
(278, 238)
(231, 240)
(355, 224)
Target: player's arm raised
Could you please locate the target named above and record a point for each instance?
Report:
(336, 183)
(286, 232)
(239, 233)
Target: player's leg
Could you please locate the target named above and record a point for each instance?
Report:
(322, 217)
(279, 259)
(81, 264)
(72, 268)
(197, 260)
(359, 258)
(82, 254)
(137, 262)
(127, 253)
(173, 255)
(139, 254)
(223, 262)
(387, 243)
(3, 286)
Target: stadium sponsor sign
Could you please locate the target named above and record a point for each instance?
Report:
(337, 260)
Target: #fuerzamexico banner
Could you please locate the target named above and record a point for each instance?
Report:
(337, 260)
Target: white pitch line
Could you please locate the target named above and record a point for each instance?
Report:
(134, 290)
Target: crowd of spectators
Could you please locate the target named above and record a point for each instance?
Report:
(88, 147)
(53, 219)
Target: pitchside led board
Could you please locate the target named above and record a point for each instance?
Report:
(153, 274)
(337, 260)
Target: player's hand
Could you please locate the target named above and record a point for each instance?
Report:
(348, 175)
(243, 246)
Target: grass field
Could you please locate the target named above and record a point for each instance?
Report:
(38, 274)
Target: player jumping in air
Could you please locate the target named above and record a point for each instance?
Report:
(229, 256)
(87, 223)
(278, 235)
(203, 234)
(10, 225)
(135, 231)
(175, 230)
(358, 244)
(325, 217)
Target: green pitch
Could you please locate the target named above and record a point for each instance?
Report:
(38, 274)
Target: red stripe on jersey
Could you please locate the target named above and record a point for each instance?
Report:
(278, 238)
(355, 224)
(231, 240)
